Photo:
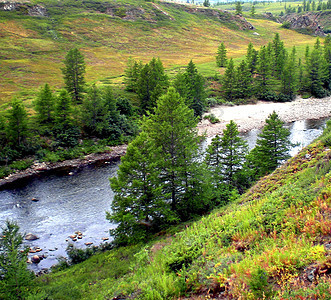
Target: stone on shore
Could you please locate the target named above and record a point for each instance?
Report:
(31, 237)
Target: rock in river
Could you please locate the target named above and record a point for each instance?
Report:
(31, 237)
(35, 259)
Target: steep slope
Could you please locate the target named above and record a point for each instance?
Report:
(35, 36)
(274, 242)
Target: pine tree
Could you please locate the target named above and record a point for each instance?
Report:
(253, 11)
(65, 131)
(17, 129)
(206, 3)
(15, 277)
(317, 70)
(73, 74)
(272, 146)
(239, 8)
(132, 73)
(279, 54)
(264, 70)
(289, 76)
(221, 59)
(190, 86)
(327, 57)
(251, 58)
(243, 87)
(151, 84)
(44, 105)
(229, 81)
(228, 153)
(94, 114)
(139, 207)
(173, 130)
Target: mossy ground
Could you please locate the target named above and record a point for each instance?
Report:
(264, 244)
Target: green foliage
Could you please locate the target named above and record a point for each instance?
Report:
(15, 277)
(190, 85)
(151, 84)
(239, 8)
(259, 284)
(44, 105)
(221, 56)
(212, 118)
(272, 146)
(73, 74)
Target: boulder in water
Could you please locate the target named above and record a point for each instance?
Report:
(31, 237)
(35, 259)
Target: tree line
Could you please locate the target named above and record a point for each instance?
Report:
(63, 119)
(164, 178)
(275, 74)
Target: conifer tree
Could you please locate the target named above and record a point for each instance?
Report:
(289, 76)
(229, 81)
(173, 130)
(253, 11)
(15, 277)
(132, 73)
(44, 105)
(226, 154)
(190, 86)
(66, 131)
(221, 58)
(139, 207)
(73, 74)
(327, 57)
(244, 81)
(151, 84)
(264, 70)
(317, 70)
(272, 146)
(278, 55)
(239, 8)
(251, 58)
(17, 129)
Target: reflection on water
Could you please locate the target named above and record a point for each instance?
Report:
(79, 203)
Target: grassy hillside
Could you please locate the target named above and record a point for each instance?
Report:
(274, 242)
(32, 48)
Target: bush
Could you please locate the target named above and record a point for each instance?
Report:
(212, 118)
(286, 25)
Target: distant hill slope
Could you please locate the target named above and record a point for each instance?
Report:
(35, 36)
(274, 242)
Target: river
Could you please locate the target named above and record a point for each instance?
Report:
(78, 202)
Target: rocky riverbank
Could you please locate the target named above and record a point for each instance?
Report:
(253, 116)
(114, 154)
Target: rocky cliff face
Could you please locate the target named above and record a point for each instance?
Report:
(308, 22)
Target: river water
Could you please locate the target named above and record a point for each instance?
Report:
(79, 202)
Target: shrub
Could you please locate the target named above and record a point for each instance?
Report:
(212, 118)
(286, 25)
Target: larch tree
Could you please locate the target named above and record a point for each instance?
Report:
(138, 206)
(289, 76)
(14, 274)
(190, 86)
(151, 84)
(272, 146)
(221, 58)
(229, 81)
(172, 128)
(17, 129)
(73, 75)
(44, 105)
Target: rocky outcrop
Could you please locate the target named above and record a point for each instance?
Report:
(65, 167)
(220, 15)
(307, 22)
(24, 8)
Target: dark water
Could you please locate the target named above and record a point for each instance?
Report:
(79, 202)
